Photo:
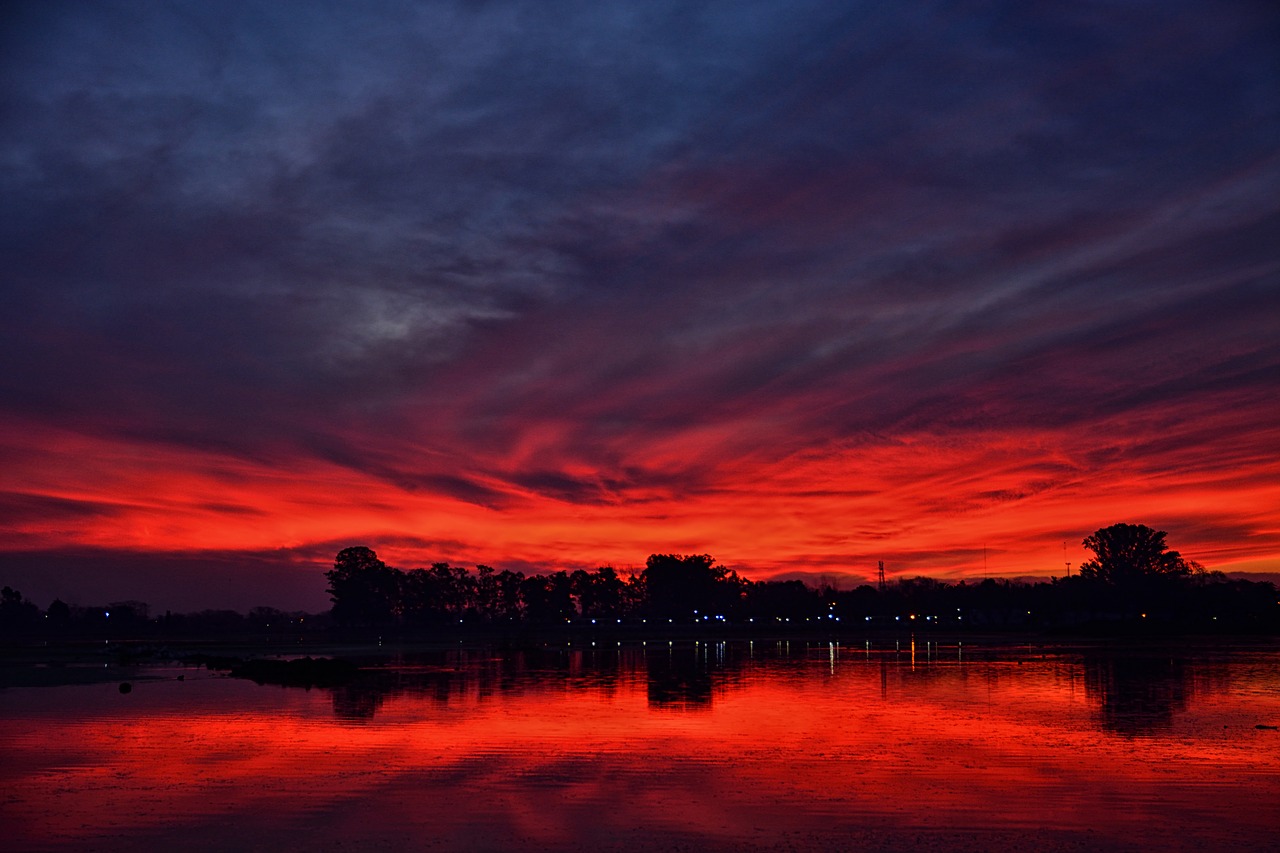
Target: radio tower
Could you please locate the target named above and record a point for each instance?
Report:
(1064, 558)
(881, 575)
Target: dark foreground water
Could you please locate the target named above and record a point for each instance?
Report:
(737, 746)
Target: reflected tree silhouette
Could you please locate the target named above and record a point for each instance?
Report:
(1135, 690)
(1137, 694)
(358, 702)
(678, 678)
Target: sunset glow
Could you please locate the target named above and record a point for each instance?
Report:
(481, 286)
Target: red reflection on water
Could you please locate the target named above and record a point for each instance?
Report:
(808, 750)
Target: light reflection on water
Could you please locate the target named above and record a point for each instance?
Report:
(710, 745)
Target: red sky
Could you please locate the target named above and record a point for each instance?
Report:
(804, 288)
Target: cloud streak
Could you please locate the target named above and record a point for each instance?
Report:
(796, 285)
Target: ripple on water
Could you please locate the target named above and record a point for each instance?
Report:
(797, 748)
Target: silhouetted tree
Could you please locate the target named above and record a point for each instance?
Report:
(599, 593)
(267, 615)
(1222, 603)
(58, 616)
(783, 600)
(486, 594)
(270, 619)
(439, 594)
(580, 588)
(548, 598)
(861, 601)
(215, 621)
(633, 595)
(455, 589)
(678, 586)
(1124, 552)
(922, 595)
(1133, 574)
(131, 613)
(508, 605)
(560, 592)
(363, 589)
(16, 613)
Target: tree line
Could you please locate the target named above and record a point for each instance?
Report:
(367, 592)
(132, 619)
(1133, 576)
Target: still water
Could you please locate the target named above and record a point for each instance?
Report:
(722, 746)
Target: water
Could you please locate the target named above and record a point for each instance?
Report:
(722, 746)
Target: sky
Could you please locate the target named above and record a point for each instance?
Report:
(802, 285)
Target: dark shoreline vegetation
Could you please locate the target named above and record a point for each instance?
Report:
(1135, 586)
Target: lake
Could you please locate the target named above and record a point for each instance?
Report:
(778, 745)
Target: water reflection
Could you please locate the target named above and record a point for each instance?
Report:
(1141, 692)
(1136, 694)
(359, 701)
(678, 679)
(1132, 692)
(706, 746)
(676, 676)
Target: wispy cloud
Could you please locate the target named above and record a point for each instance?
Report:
(794, 284)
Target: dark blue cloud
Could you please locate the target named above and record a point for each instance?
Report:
(272, 228)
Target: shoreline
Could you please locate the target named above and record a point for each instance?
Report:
(50, 664)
